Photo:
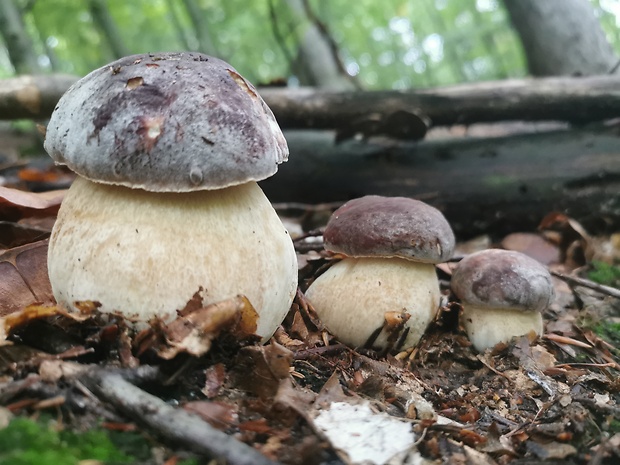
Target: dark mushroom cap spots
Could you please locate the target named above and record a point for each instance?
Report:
(390, 227)
(503, 279)
(166, 122)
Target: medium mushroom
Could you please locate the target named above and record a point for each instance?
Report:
(503, 294)
(390, 245)
(168, 148)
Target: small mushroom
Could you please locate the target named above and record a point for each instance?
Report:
(390, 245)
(168, 148)
(503, 294)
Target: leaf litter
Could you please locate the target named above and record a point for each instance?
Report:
(306, 399)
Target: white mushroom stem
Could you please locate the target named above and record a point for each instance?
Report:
(487, 327)
(145, 254)
(353, 296)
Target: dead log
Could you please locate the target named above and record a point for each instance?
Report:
(32, 97)
(497, 185)
(573, 99)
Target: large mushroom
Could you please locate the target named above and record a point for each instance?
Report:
(168, 148)
(503, 294)
(390, 245)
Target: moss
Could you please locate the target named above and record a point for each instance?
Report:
(605, 273)
(26, 442)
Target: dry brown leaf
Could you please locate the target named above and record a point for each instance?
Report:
(194, 331)
(16, 234)
(220, 415)
(259, 369)
(534, 246)
(15, 203)
(22, 317)
(23, 277)
(215, 377)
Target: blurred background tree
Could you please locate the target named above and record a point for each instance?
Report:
(366, 44)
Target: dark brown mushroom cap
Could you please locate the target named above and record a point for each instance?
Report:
(503, 279)
(166, 122)
(390, 227)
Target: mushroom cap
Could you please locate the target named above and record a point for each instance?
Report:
(166, 122)
(497, 278)
(376, 226)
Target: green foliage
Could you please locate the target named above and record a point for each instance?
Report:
(605, 273)
(397, 44)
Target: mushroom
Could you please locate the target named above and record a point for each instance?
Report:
(503, 294)
(168, 148)
(390, 245)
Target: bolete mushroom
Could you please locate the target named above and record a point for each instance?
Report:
(503, 294)
(168, 148)
(390, 245)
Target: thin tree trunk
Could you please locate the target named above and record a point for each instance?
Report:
(561, 37)
(106, 25)
(201, 27)
(18, 43)
(178, 27)
(317, 64)
(43, 38)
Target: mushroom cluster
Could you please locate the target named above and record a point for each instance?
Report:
(168, 148)
(503, 294)
(390, 246)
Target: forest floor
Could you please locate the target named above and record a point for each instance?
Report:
(553, 399)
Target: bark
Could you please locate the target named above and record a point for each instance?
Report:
(317, 62)
(561, 37)
(577, 100)
(32, 96)
(16, 39)
(106, 25)
(201, 27)
(496, 185)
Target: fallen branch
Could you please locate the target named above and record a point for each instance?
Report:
(32, 96)
(600, 288)
(572, 99)
(483, 185)
(115, 386)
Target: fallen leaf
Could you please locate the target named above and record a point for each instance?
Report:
(218, 414)
(259, 369)
(15, 203)
(534, 246)
(551, 450)
(23, 277)
(10, 322)
(193, 331)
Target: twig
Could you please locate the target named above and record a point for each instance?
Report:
(607, 290)
(115, 386)
(323, 350)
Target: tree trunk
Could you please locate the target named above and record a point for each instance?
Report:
(106, 25)
(201, 27)
(561, 37)
(18, 44)
(182, 33)
(317, 64)
(483, 185)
